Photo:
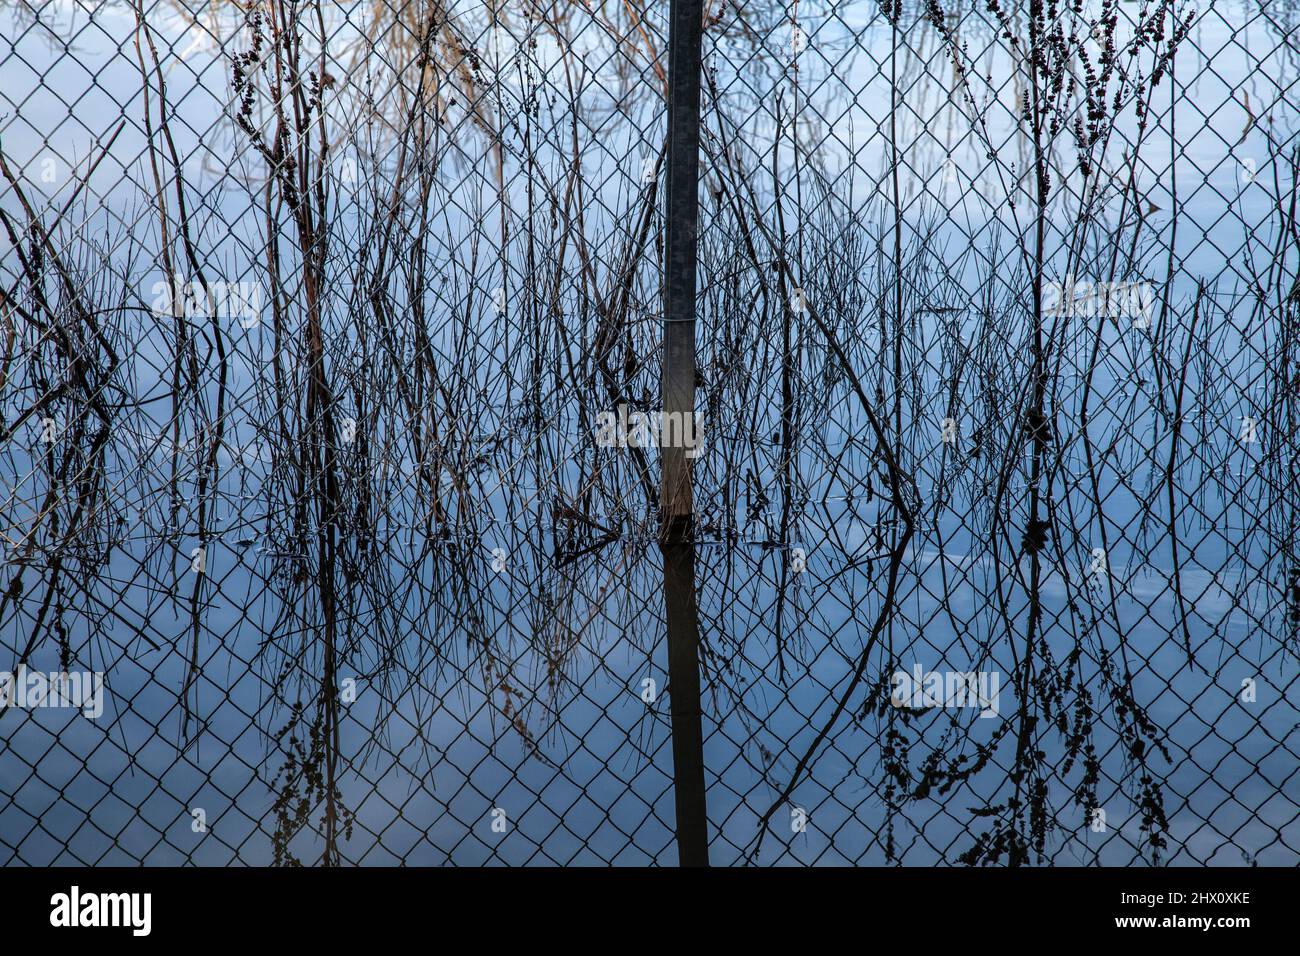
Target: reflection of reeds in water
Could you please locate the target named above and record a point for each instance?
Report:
(431, 515)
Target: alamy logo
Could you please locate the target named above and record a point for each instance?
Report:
(103, 909)
(921, 689)
(633, 429)
(1129, 300)
(29, 689)
(231, 300)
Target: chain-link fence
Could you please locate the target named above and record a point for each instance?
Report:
(332, 350)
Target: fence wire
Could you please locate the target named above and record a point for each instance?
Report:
(332, 343)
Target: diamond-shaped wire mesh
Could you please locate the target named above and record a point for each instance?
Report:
(318, 319)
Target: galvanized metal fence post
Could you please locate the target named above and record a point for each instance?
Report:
(678, 537)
